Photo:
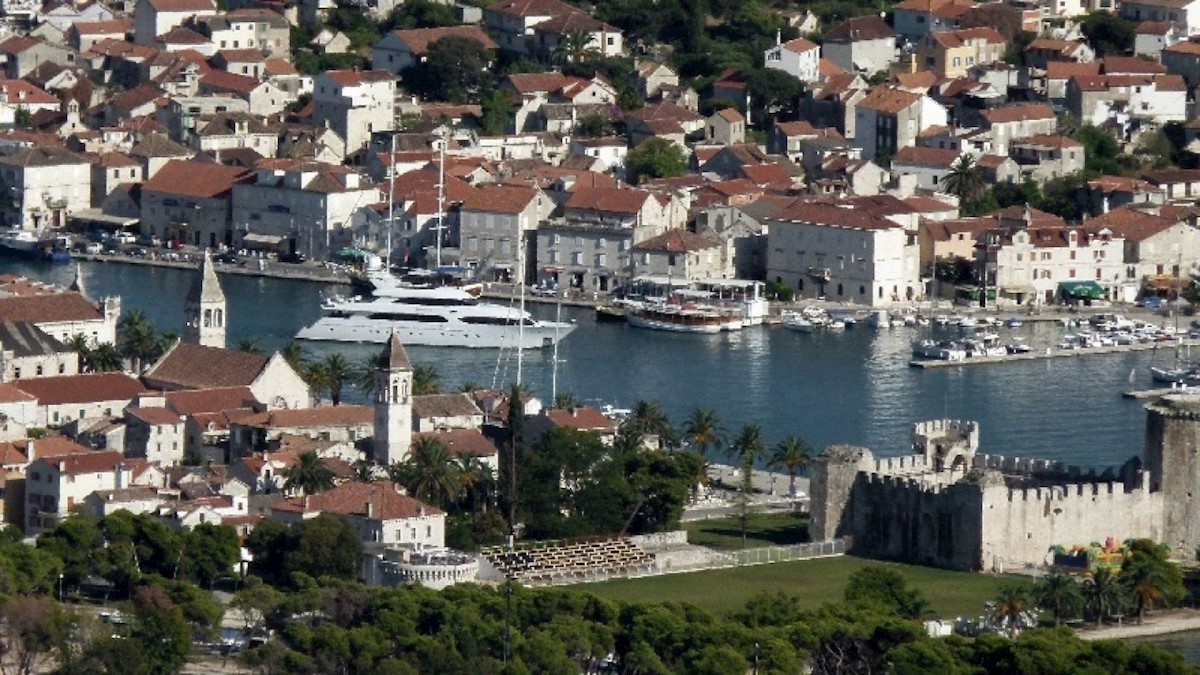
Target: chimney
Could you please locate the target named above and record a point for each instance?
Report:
(306, 502)
(30, 452)
(421, 511)
(370, 509)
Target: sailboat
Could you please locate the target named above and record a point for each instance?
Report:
(1180, 373)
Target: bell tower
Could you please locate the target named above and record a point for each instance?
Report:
(393, 404)
(204, 309)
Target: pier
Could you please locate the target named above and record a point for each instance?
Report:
(250, 267)
(1051, 353)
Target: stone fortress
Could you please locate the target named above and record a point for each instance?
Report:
(948, 505)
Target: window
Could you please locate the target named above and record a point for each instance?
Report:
(1072, 255)
(1071, 273)
(557, 239)
(39, 370)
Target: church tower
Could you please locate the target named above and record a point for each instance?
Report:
(393, 404)
(77, 283)
(204, 310)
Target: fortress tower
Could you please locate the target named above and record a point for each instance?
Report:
(204, 309)
(393, 404)
(1172, 459)
(833, 476)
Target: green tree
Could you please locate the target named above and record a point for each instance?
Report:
(591, 126)
(211, 552)
(455, 69)
(257, 602)
(335, 372)
(431, 472)
(26, 569)
(34, 627)
(574, 47)
(425, 380)
(655, 158)
(421, 14)
(793, 455)
(293, 353)
(249, 345)
(887, 588)
(1103, 594)
(1109, 34)
(772, 92)
(198, 606)
(137, 339)
(498, 113)
(747, 447)
(309, 475)
(1102, 153)
(1011, 606)
(103, 358)
(965, 180)
(648, 419)
(1059, 594)
(702, 431)
(160, 630)
(1150, 576)
(325, 546)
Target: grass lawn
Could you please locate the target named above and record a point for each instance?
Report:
(813, 582)
(763, 529)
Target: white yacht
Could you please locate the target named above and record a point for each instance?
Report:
(443, 316)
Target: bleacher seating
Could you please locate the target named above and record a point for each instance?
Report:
(547, 563)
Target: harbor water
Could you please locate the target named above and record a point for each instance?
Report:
(851, 387)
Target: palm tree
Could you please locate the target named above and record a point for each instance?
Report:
(136, 339)
(648, 419)
(103, 359)
(748, 447)
(433, 476)
(334, 372)
(317, 377)
(293, 353)
(575, 46)
(81, 345)
(1011, 604)
(425, 380)
(792, 454)
(965, 179)
(309, 475)
(702, 430)
(476, 482)
(364, 471)
(565, 400)
(249, 345)
(468, 387)
(1102, 593)
(1060, 594)
(364, 374)
(1147, 583)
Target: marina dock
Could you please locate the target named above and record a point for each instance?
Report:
(1051, 353)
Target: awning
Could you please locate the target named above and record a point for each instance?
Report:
(1081, 289)
(98, 217)
(251, 240)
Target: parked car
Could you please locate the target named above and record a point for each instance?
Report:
(227, 259)
(124, 238)
(93, 248)
(1152, 302)
(149, 240)
(294, 258)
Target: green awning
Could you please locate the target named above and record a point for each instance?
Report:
(1081, 289)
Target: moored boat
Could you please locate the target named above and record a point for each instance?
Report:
(678, 318)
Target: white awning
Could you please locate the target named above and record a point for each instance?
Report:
(261, 240)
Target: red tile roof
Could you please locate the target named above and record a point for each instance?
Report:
(19, 91)
(190, 402)
(1130, 65)
(462, 442)
(608, 200)
(800, 45)
(49, 308)
(677, 241)
(500, 199)
(1065, 70)
(10, 394)
(155, 416)
(870, 27)
(88, 388)
(1018, 112)
(221, 80)
(582, 418)
(183, 5)
(1132, 224)
(196, 179)
(113, 27)
(419, 39)
(87, 462)
(354, 78)
(444, 405)
(941, 158)
(328, 416)
(385, 501)
(888, 100)
(195, 367)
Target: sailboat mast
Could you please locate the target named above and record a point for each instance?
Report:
(554, 369)
(521, 316)
(441, 195)
(387, 265)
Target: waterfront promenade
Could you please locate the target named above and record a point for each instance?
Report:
(251, 267)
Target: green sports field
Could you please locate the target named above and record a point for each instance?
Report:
(813, 582)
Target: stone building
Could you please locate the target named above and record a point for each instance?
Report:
(951, 506)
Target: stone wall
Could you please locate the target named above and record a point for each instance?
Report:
(1020, 525)
(833, 477)
(1172, 458)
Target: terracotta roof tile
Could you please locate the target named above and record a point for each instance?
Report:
(1065, 70)
(445, 405)
(154, 416)
(500, 199)
(87, 388)
(193, 401)
(386, 501)
(89, 462)
(677, 241)
(889, 100)
(608, 200)
(870, 27)
(921, 156)
(1130, 65)
(184, 5)
(221, 80)
(328, 416)
(9, 393)
(419, 39)
(194, 367)
(582, 418)
(196, 179)
(1018, 112)
(49, 308)
(462, 442)
(354, 78)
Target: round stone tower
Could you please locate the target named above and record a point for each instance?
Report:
(1173, 462)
